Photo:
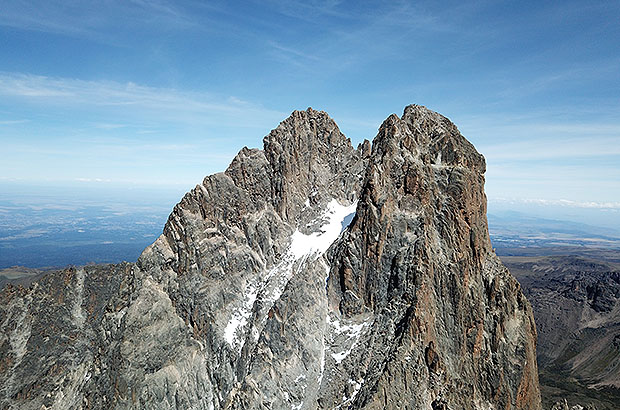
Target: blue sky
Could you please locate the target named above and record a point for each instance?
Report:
(158, 93)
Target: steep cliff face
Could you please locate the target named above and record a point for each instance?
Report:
(418, 257)
(307, 275)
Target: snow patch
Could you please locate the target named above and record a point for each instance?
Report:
(351, 332)
(357, 386)
(240, 317)
(322, 365)
(20, 334)
(270, 286)
(318, 242)
(76, 310)
(298, 379)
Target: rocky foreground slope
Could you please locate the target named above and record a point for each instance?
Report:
(307, 275)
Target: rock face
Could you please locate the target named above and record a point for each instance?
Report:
(307, 275)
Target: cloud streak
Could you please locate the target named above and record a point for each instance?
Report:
(70, 17)
(51, 91)
(559, 202)
(123, 132)
(13, 122)
(586, 147)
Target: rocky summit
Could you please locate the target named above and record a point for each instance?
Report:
(308, 275)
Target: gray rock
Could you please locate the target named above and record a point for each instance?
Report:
(307, 275)
(563, 405)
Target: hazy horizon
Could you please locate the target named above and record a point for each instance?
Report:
(43, 225)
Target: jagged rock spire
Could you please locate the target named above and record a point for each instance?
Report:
(308, 275)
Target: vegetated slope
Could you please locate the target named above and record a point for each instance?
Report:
(576, 303)
(307, 275)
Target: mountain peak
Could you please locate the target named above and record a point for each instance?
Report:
(302, 129)
(308, 275)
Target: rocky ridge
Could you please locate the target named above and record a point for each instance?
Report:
(310, 274)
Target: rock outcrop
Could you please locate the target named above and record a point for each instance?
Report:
(309, 274)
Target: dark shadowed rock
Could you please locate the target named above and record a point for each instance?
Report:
(307, 275)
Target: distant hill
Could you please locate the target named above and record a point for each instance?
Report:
(517, 230)
(20, 275)
(576, 302)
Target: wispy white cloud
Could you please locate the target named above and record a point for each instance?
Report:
(78, 18)
(558, 202)
(553, 174)
(13, 122)
(93, 180)
(293, 55)
(309, 11)
(167, 102)
(124, 132)
(24, 85)
(566, 78)
(122, 150)
(562, 133)
(109, 126)
(348, 35)
(590, 145)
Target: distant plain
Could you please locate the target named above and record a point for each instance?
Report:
(54, 226)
